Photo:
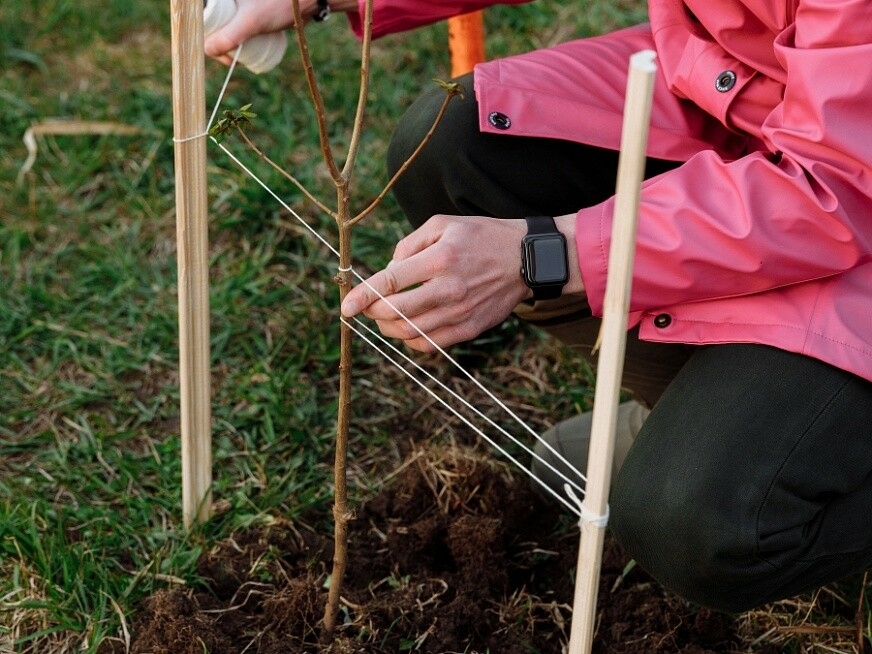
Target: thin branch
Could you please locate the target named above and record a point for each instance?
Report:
(323, 207)
(317, 99)
(354, 144)
(450, 91)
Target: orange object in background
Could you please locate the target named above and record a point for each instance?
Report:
(466, 42)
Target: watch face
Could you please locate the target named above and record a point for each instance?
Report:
(548, 260)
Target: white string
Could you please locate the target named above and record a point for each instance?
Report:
(420, 332)
(465, 420)
(275, 196)
(585, 514)
(466, 403)
(191, 138)
(472, 408)
(217, 103)
(224, 87)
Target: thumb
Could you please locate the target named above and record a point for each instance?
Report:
(388, 281)
(224, 40)
(356, 301)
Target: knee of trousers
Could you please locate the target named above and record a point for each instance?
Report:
(689, 544)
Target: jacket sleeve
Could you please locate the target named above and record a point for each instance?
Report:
(712, 228)
(390, 16)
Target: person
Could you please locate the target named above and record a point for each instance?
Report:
(750, 335)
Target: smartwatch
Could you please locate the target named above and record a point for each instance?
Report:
(544, 263)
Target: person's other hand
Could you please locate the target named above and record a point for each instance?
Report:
(253, 17)
(454, 277)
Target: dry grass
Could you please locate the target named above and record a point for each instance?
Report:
(828, 620)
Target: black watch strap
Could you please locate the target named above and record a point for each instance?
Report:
(322, 12)
(540, 225)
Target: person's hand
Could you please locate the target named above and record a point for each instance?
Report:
(454, 277)
(253, 17)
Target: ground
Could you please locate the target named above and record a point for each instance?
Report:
(454, 555)
(455, 551)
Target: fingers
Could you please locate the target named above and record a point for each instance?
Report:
(219, 43)
(383, 284)
(408, 315)
(251, 18)
(422, 238)
(450, 278)
(226, 27)
(418, 260)
(442, 337)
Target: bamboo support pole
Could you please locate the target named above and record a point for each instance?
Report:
(631, 167)
(466, 42)
(189, 125)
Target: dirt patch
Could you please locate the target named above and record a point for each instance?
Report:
(454, 555)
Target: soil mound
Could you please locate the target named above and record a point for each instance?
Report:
(454, 555)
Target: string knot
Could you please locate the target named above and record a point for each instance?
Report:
(585, 514)
(190, 138)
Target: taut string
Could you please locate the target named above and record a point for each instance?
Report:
(570, 484)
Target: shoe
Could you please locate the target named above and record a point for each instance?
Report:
(571, 438)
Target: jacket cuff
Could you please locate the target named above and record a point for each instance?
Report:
(593, 228)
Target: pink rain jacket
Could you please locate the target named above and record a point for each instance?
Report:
(764, 235)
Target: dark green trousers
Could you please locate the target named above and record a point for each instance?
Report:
(751, 480)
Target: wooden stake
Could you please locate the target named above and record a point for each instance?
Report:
(189, 125)
(466, 42)
(631, 167)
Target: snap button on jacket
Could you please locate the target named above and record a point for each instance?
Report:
(499, 120)
(725, 81)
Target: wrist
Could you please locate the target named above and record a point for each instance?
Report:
(344, 5)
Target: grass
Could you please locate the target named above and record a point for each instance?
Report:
(89, 452)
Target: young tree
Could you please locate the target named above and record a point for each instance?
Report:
(345, 220)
